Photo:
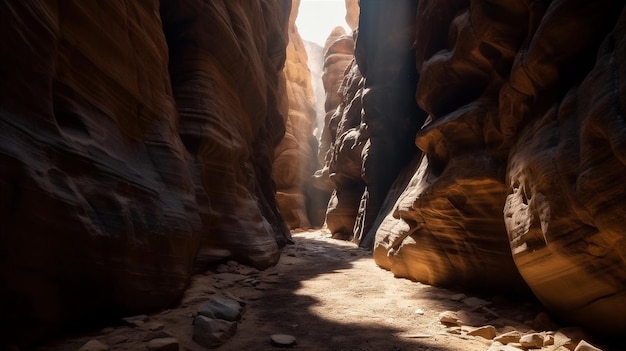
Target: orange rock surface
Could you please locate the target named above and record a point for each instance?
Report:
(301, 205)
(134, 134)
(518, 181)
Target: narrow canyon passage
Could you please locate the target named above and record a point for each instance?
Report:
(177, 175)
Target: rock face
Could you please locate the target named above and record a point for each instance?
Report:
(446, 227)
(225, 86)
(518, 179)
(301, 204)
(117, 164)
(342, 83)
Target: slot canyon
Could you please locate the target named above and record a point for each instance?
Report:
(193, 174)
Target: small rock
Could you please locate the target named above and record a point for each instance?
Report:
(507, 338)
(457, 297)
(221, 308)
(161, 334)
(283, 340)
(163, 344)
(488, 332)
(222, 268)
(467, 318)
(449, 317)
(107, 330)
(117, 339)
(136, 321)
(455, 330)
(230, 277)
(245, 270)
(212, 333)
(419, 311)
(569, 337)
(94, 345)
(531, 341)
(233, 297)
(475, 302)
(153, 326)
(231, 263)
(585, 346)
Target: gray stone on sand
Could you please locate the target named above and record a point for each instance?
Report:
(211, 333)
(221, 308)
(283, 340)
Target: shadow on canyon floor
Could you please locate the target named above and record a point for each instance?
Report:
(329, 294)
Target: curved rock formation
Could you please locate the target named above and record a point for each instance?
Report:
(447, 226)
(562, 118)
(340, 91)
(225, 86)
(113, 172)
(519, 183)
(301, 205)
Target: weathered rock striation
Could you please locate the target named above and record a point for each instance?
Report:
(342, 80)
(301, 204)
(518, 182)
(133, 135)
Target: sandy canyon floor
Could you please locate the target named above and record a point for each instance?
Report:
(330, 295)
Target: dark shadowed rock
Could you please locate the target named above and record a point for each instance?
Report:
(133, 136)
(211, 333)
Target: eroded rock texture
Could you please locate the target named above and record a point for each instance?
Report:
(519, 182)
(447, 228)
(301, 204)
(225, 85)
(341, 80)
(356, 135)
(115, 166)
(562, 117)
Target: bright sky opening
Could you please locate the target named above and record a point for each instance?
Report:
(317, 18)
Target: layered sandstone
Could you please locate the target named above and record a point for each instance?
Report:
(118, 163)
(301, 204)
(342, 81)
(518, 178)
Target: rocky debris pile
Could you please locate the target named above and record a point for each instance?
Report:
(216, 321)
(480, 320)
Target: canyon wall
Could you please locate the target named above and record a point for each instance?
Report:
(301, 204)
(136, 140)
(516, 182)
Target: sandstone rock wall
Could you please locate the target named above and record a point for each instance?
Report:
(518, 178)
(301, 204)
(133, 134)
